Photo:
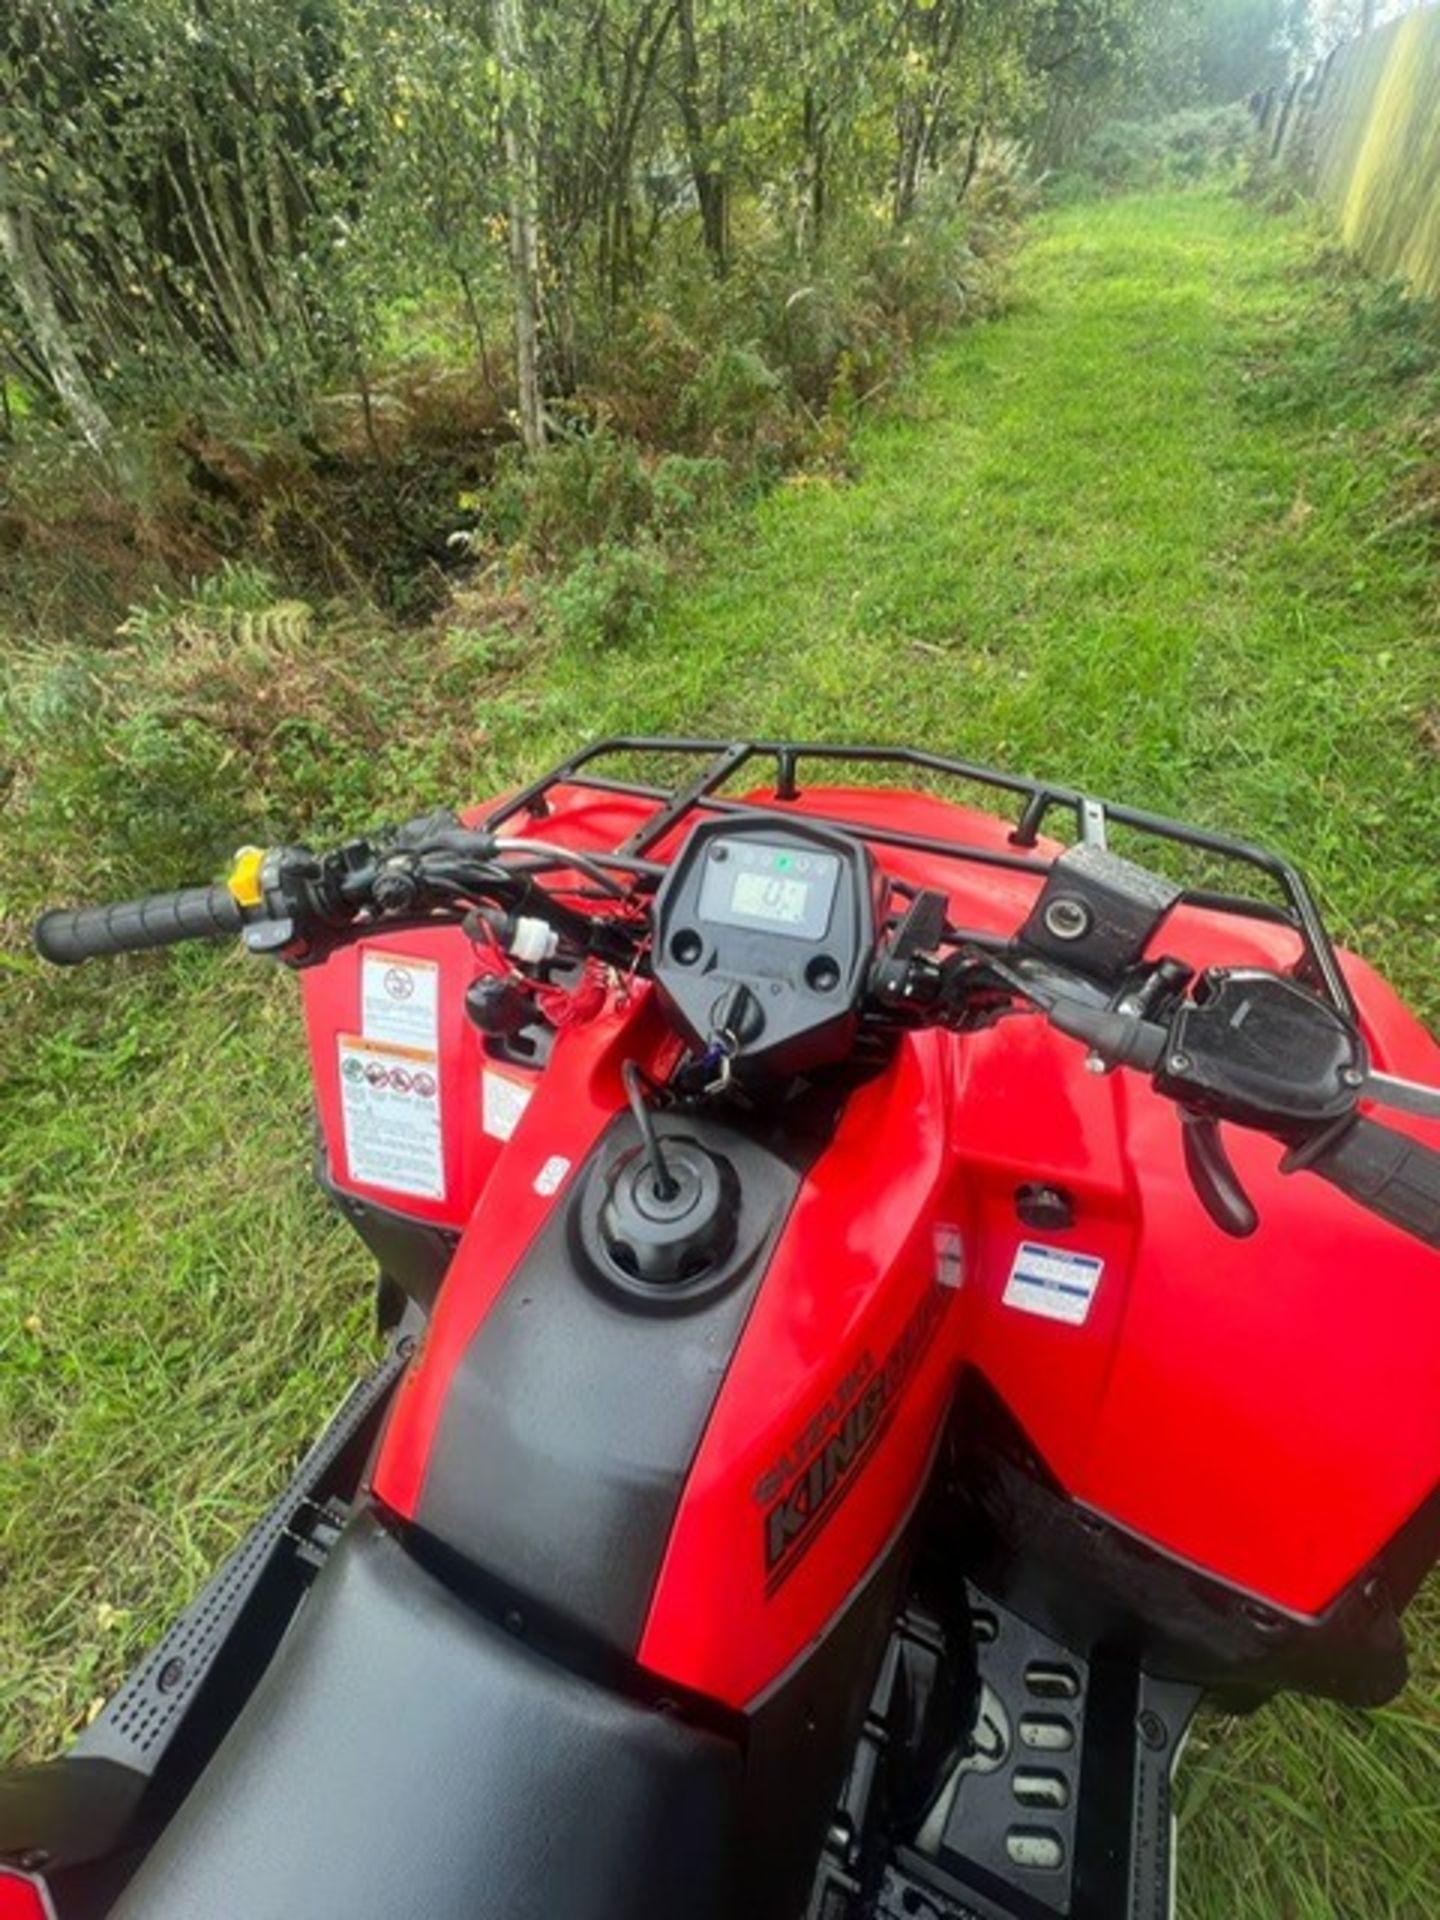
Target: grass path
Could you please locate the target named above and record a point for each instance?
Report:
(1131, 534)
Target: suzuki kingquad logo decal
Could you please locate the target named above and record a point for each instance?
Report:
(806, 1485)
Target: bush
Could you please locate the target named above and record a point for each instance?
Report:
(609, 595)
(732, 398)
(1126, 156)
(216, 714)
(746, 370)
(595, 491)
(1353, 341)
(684, 489)
(589, 491)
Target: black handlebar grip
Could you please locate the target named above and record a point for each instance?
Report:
(1385, 1171)
(66, 937)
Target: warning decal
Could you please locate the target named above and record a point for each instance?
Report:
(949, 1257)
(1053, 1282)
(390, 1102)
(399, 999)
(502, 1101)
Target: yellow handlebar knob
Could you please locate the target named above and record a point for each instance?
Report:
(244, 878)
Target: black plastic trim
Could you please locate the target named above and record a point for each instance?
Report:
(1090, 1582)
(412, 1254)
(573, 1418)
(802, 1737)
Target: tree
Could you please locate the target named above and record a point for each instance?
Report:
(1242, 45)
(241, 198)
(35, 296)
(522, 167)
(700, 137)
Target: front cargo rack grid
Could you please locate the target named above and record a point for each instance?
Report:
(720, 762)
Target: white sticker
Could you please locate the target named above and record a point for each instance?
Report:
(1053, 1282)
(502, 1101)
(399, 999)
(949, 1258)
(390, 1102)
(550, 1176)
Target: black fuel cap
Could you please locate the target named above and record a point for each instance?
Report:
(669, 1242)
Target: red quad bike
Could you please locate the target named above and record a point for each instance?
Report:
(886, 1311)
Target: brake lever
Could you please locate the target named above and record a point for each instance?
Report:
(1255, 1048)
(1213, 1176)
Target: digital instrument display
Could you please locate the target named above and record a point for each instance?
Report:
(764, 934)
(770, 899)
(784, 890)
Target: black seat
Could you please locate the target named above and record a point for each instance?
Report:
(403, 1758)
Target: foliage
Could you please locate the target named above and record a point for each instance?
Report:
(1222, 51)
(215, 711)
(241, 198)
(1171, 56)
(1239, 46)
(1125, 156)
(594, 490)
(269, 271)
(1358, 343)
(184, 172)
(609, 595)
(702, 389)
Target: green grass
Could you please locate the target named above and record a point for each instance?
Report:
(1142, 532)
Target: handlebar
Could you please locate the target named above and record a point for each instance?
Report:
(1240, 1045)
(1259, 1050)
(1385, 1171)
(67, 936)
(1246, 1046)
(297, 905)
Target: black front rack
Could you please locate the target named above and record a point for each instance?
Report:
(723, 760)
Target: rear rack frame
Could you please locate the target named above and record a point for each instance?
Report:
(724, 759)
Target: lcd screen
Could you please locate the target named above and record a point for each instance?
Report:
(787, 890)
(762, 896)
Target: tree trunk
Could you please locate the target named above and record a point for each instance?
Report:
(909, 145)
(709, 184)
(972, 158)
(31, 281)
(508, 24)
(814, 118)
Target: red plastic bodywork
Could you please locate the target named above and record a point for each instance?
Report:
(23, 1898)
(1261, 1409)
